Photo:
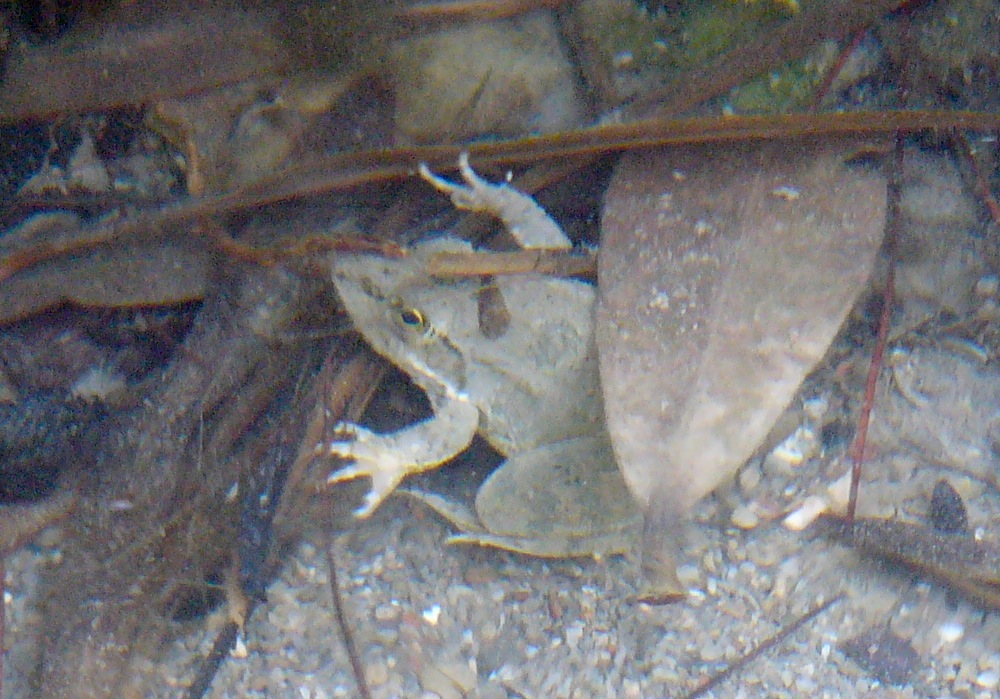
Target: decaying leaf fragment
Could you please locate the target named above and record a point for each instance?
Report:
(724, 274)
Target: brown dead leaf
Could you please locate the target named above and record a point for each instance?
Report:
(137, 274)
(724, 275)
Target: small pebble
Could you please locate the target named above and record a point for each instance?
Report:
(988, 680)
(478, 575)
(712, 651)
(839, 492)
(432, 614)
(744, 517)
(602, 659)
(950, 631)
(749, 477)
(387, 612)
(688, 575)
(815, 408)
(811, 508)
(948, 514)
(239, 648)
(377, 673)
(987, 286)
(792, 452)
(786, 192)
(573, 634)
(805, 685)
(989, 661)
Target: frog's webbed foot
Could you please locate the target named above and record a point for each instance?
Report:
(522, 215)
(374, 456)
(388, 458)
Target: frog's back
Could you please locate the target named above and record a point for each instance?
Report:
(539, 376)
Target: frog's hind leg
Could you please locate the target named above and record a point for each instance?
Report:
(559, 500)
(523, 216)
(472, 533)
(593, 546)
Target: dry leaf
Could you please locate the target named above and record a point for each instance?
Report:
(724, 274)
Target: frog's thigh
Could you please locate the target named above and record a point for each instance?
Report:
(564, 491)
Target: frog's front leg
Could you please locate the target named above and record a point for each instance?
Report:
(388, 458)
(522, 215)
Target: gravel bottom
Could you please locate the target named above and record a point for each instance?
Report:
(435, 621)
(450, 622)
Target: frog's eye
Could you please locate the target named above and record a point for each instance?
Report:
(412, 318)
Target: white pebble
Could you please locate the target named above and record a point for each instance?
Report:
(688, 575)
(432, 614)
(377, 673)
(988, 679)
(796, 448)
(839, 492)
(811, 508)
(950, 631)
(805, 685)
(239, 648)
(573, 634)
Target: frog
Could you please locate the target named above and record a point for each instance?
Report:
(531, 390)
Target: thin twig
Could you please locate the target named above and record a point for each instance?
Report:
(223, 644)
(467, 10)
(894, 193)
(476, 264)
(888, 295)
(769, 644)
(838, 66)
(342, 623)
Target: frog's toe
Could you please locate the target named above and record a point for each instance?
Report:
(373, 498)
(385, 473)
(357, 443)
(347, 473)
(475, 195)
(474, 181)
(461, 196)
(353, 432)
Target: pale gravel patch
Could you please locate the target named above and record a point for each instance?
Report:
(530, 628)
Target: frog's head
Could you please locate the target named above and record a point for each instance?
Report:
(409, 317)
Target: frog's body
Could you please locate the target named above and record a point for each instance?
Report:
(531, 389)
